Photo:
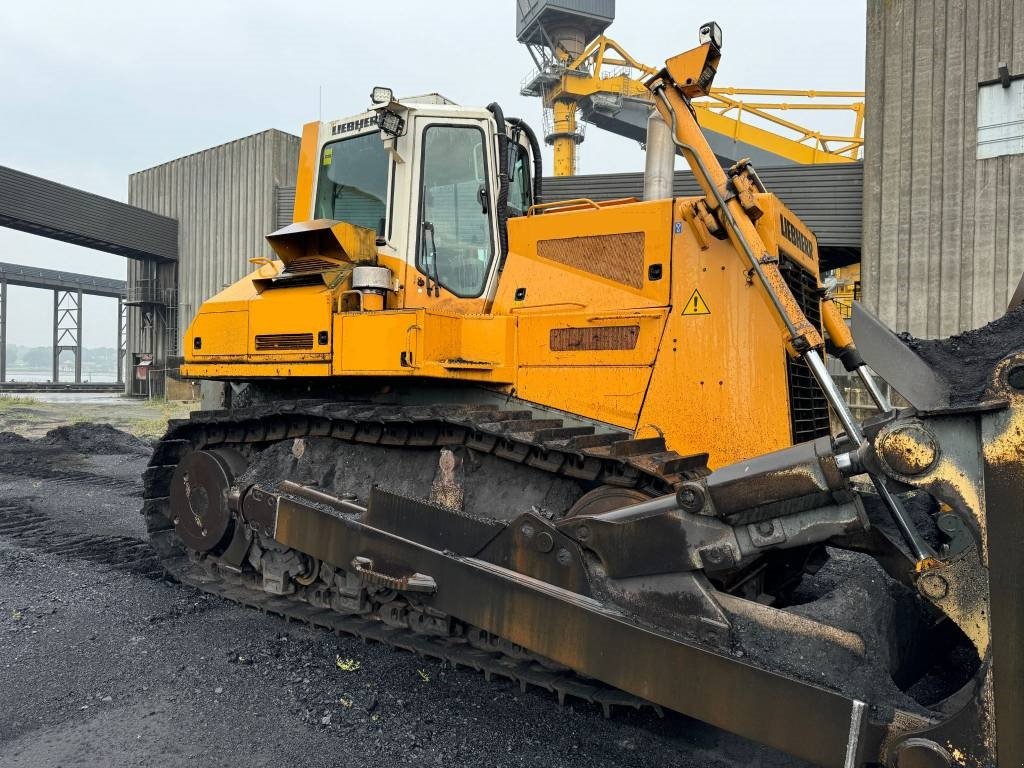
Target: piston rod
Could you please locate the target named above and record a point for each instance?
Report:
(871, 385)
(918, 546)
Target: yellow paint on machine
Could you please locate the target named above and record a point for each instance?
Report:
(422, 343)
(611, 394)
(623, 312)
(585, 338)
(595, 325)
(721, 373)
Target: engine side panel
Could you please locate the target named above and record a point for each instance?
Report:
(624, 313)
(720, 376)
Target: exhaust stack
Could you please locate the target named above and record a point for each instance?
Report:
(661, 158)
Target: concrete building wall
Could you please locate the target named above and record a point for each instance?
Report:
(224, 199)
(943, 231)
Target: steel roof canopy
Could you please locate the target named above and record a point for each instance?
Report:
(43, 207)
(36, 277)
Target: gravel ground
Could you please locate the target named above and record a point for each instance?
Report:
(105, 663)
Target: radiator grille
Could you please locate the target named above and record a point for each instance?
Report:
(593, 339)
(808, 408)
(618, 257)
(276, 341)
(307, 264)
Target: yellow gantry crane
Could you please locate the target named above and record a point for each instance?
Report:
(603, 84)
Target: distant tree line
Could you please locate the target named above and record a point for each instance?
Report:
(41, 358)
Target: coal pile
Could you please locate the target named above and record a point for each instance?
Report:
(95, 438)
(967, 359)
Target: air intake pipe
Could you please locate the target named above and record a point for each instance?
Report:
(661, 159)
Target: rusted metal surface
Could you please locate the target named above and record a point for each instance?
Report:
(431, 524)
(1003, 452)
(592, 339)
(658, 668)
(199, 505)
(618, 257)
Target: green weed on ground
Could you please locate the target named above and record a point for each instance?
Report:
(9, 400)
(158, 412)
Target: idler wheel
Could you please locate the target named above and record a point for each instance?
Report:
(199, 497)
(605, 499)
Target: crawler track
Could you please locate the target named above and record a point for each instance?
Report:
(512, 435)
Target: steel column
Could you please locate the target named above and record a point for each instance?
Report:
(67, 330)
(78, 340)
(122, 337)
(56, 346)
(3, 331)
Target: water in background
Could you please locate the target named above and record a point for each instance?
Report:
(66, 375)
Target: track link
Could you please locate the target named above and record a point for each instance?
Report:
(582, 453)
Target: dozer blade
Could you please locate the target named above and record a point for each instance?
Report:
(896, 363)
(599, 641)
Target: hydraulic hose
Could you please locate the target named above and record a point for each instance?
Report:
(502, 203)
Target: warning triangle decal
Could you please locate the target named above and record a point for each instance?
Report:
(695, 305)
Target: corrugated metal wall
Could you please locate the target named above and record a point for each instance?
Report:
(943, 240)
(284, 206)
(224, 199)
(826, 197)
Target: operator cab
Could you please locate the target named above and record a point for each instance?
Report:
(423, 173)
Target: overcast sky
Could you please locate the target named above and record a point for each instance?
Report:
(93, 91)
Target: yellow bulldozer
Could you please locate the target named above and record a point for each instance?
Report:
(586, 446)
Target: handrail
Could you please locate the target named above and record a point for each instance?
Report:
(576, 202)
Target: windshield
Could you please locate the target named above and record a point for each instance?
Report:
(352, 183)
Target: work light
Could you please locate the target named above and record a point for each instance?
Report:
(711, 33)
(390, 122)
(381, 95)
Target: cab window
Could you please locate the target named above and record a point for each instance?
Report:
(352, 183)
(455, 243)
(520, 187)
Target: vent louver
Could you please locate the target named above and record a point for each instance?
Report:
(283, 341)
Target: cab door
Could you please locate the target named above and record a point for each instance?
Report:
(454, 237)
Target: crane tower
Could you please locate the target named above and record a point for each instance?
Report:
(556, 33)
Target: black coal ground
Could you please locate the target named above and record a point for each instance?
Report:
(104, 666)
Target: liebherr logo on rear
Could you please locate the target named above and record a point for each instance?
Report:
(795, 236)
